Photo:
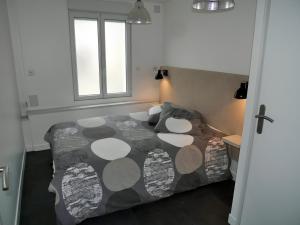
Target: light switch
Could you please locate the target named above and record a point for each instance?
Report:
(156, 8)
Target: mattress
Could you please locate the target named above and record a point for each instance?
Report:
(106, 164)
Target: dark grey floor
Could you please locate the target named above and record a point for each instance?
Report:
(209, 205)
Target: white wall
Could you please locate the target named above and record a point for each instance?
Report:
(44, 32)
(177, 37)
(11, 139)
(42, 28)
(220, 42)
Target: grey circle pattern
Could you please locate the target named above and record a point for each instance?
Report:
(122, 200)
(188, 159)
(81, 190)
(121, 174)
(158, 173)
(98, 132)
(188, 182)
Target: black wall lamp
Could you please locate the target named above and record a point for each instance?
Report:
(242, 92)
(161, 74)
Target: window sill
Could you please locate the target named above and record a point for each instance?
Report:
(81, 107)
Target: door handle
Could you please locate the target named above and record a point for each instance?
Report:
(4, 173)
(265, 118)
(261, 119)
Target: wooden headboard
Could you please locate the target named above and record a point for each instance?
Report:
(211, 93)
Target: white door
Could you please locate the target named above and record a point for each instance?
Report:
(11, 139)
(273, 187)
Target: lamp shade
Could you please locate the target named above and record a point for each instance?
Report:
(213, 5)
(159, 75)
(242, 92)
(139, 14)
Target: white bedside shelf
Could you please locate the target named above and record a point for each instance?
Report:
(233, 144)
(233, 140)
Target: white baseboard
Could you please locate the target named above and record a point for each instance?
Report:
(40, 147)
(20, 189)
(232, 220)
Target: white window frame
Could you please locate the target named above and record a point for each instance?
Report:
(101, 18)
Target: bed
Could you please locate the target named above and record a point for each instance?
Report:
(106, 164)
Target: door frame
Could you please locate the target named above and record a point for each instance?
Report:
(258, 51)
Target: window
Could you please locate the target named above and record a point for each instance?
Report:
(101, 55)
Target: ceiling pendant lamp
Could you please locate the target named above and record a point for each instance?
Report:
(139, 14)
(213, 5)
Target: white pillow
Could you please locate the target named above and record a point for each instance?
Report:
(154, 115)
(155, 110)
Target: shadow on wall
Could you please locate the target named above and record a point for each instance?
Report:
(211, 93)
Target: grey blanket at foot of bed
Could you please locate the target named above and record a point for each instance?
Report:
(106, 164)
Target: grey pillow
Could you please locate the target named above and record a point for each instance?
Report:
(176, 119)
